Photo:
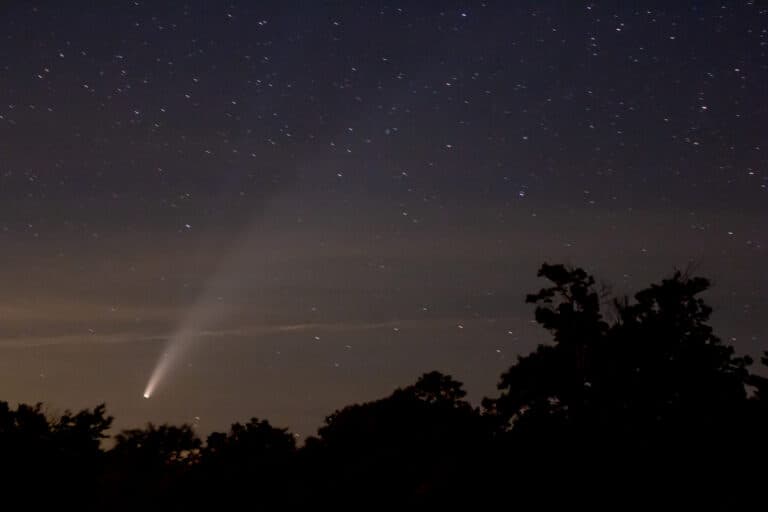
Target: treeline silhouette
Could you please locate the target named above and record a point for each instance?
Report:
(635, 405)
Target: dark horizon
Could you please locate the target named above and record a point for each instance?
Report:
(633, 402)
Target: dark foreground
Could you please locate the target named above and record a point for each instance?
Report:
(635, 405)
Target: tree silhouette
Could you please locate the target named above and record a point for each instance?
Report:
(658, 364)
(760, 383)
(410, 447)
(642, 407)
(553, 385)
(250, 461)
(158, 446)
(656, 384)
(58, 454)
(152, 465)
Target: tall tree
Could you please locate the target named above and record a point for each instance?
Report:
(654, 387)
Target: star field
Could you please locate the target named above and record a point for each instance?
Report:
(339, 196)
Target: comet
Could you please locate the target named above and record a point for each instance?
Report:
(175, 349)
(228, 281)
(208, 310)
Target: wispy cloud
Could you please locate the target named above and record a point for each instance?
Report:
(244, 332)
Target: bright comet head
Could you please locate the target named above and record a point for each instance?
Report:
(146, 395)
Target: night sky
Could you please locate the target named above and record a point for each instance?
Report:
(327, 198)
